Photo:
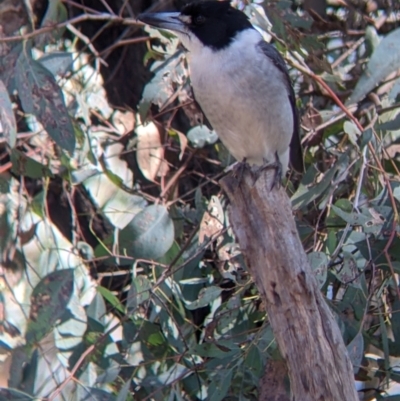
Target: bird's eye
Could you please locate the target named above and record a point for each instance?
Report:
(199, 20)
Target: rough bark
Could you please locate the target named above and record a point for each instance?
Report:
(272, 384)
(305, 330)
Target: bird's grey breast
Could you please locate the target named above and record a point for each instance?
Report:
(244, 97)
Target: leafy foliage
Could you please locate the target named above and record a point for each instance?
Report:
(120, 275)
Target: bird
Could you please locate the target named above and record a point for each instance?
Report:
(241, 83)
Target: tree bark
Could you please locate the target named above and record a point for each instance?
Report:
(272, 384)
(304, 327)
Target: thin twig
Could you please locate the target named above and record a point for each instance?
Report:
(75, 20)
(88, 42)
(347, 53)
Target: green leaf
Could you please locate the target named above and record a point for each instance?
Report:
(331, 241)
(27, 167)
(395, 91)
(124, 392)
(93, 394)
(9, 394)
(58, 63)
(7, 66)
(353, 218)
(149, 235)
(385, 342)
(111, 298)
(348, 273)
(23, 358)
(56, 12)
(151, 335)
(384, 60)
(395, 321)
(356, 352)
(254, 361)
(206, 296)
(160, 88)
(49, 302)
(138, 293)
(220, 385)
(306, 194)
(212, 350)
(352, 131)
(7, 117)
(371, 40)
(392, 125)
(40, 95)
(319, 265)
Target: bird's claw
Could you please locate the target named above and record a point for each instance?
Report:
(238, 170)
(277, 166)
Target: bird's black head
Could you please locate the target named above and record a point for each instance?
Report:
(214, 23)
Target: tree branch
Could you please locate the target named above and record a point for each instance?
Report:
(304, 327)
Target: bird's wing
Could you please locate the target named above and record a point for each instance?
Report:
(296, 154)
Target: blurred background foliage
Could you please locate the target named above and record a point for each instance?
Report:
(120, 278)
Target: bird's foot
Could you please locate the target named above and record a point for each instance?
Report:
(277, 166)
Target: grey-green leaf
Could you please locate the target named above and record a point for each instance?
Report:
(319, 265)
(206, 296)
(384, 60)
(391, 125)
(149, 235)
(28, 167)
(138, 293)
(58, 63)
(7, 118)
(40, 95)
(9, 394)
(356, 351)
(49, 302)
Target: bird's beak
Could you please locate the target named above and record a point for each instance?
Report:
(170, 21)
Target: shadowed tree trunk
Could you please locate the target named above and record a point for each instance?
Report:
(272, 384)
(305, 330)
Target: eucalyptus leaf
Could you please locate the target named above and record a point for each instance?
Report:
(56, 12)
(124, 391)
(7, 66)
(307, 193)
(58, 63)
(384, 60)
(352, 131)
(356, 351)
(138, 293)
(206, 296)
(220, 385)
(28, 167)
(7, 119)
(319, 265)
(395, 91)
(40, 95)
(49, 303)
(392, 125)
(149, 235)
(9, 394)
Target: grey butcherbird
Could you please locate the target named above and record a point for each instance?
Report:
(240, 81)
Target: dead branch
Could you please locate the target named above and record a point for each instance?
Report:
(304, 327)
